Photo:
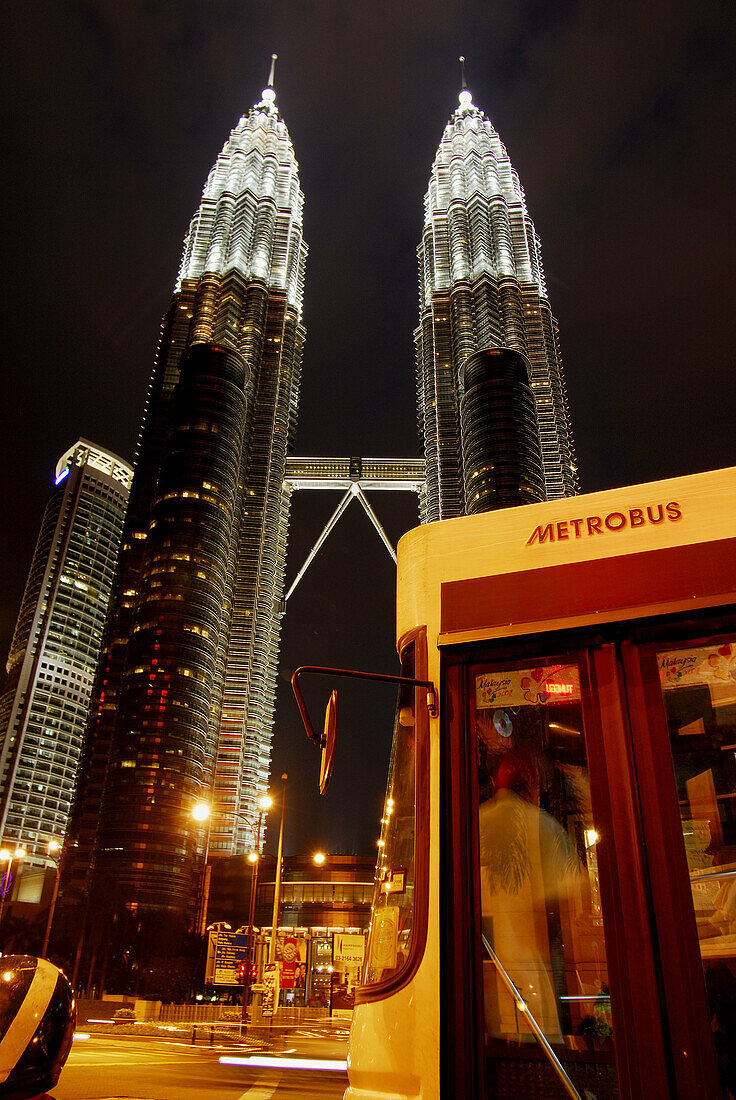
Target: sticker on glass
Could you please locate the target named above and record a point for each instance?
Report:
(526, 687)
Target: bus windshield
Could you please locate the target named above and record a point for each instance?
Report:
(392, 926)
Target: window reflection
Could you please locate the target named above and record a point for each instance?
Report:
(391, 928)
(699, 693)
(540, 901)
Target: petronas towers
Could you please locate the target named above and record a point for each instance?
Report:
(184, 700)
(185, 694)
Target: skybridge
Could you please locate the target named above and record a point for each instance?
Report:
(354, 477)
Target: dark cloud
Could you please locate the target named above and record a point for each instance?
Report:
(619, 119)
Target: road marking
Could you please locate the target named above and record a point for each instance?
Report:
(262, 1091)
(79, 1057)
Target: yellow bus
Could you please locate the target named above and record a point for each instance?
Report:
(555, 902)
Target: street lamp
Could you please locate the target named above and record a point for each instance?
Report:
(6, 856)
(277, 883)
(202, 812)
(265, 804)
(54, 850)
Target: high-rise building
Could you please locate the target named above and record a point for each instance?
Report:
(185, 697)
(481, 285)
(56, 647)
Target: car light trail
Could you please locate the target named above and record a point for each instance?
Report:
(332, 1064)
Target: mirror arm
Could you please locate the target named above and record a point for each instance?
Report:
(318, 670)
(313, 737)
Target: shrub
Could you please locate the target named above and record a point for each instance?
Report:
(124, 1016)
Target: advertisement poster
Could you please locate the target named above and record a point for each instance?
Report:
(270, 989)
(291, 956)
(348, 952)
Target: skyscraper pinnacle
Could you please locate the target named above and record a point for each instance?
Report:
(466, 99)
(268, 95)
(482, 286)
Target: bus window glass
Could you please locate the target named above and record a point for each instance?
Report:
(540, 902)
(392, 916)
(699, 692)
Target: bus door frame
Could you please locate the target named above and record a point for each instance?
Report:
(462, 1040)
(628, 862)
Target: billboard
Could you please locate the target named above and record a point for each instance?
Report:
(226, 950)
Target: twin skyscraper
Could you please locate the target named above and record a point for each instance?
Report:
(184, 699)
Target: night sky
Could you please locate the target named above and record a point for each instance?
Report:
(619, 118)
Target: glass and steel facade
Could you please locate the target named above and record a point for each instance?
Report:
(502, 463)
(185, 697)
(56, 646)
(482, 285)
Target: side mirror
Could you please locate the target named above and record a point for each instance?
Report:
(329, 738)
(327, 741)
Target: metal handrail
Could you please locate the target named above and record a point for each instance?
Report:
(522, 1006)
(695, 876)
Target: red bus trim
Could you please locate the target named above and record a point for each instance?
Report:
(646, 582)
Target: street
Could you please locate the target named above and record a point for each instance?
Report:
(102, 1068)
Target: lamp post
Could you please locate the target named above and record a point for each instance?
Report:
(53, 847)
(265, 803)
(6, 856)
(202, 812)
(277, 884)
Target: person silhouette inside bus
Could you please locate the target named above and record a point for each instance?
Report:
(528, 865)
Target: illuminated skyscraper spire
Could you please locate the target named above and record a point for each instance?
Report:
(481, 285)
(186, 690)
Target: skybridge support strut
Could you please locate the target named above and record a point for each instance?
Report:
(352, 475)
(315, 549)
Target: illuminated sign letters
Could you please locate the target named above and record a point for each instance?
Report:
(586, 526)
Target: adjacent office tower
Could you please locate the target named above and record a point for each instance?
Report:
(481, 285)
(186, 690)
(56, 647)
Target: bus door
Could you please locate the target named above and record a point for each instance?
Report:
(571, 962)
(681, 692)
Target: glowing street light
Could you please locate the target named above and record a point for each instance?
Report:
(6, 856)
(277, 882)
(54, 850)
(265, 803)
(319, 858)
(202, 812)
